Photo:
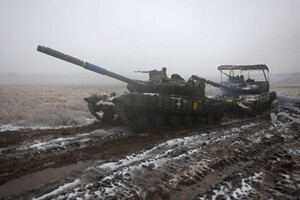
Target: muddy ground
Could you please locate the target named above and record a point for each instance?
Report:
(248, 158)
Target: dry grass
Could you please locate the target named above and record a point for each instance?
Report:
(47, 105)
(287, 91)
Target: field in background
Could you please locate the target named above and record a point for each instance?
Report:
(47, 105)
(287, 91)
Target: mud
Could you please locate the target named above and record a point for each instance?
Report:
(249, 158)
(38, 178)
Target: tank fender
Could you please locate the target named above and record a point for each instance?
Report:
(124, 98)
(94, 98)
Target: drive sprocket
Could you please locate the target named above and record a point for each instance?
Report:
(101, 104)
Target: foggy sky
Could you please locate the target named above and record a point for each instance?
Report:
(188, 37)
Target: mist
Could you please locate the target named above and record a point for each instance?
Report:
(187, 37)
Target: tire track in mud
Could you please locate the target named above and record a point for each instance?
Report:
(225, 176)
(243, 168)
(19, 161)
(195, 166)
(9, 138)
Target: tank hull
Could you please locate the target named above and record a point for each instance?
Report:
(151, 107)
(250, 104)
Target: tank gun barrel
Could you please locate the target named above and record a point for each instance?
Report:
(139, 71)
(86, 65)
(218, 85)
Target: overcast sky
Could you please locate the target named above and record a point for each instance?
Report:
(188, 36)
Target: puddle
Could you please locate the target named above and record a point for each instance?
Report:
(33, 180)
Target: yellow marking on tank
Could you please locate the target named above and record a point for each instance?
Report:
(229, 100)
(195, 106)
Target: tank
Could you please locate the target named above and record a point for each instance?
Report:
(249, 95)
(156, 103)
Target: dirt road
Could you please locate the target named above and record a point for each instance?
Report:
(250, 158)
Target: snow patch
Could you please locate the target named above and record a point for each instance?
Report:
(11, 127)
(60, 142)
(294, 151)
(228, 191)
(59, 190)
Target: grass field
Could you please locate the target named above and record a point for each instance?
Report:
(287, 91)
(47, 105)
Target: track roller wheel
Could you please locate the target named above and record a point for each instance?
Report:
(142, 122)
(159, 122)
(199, 120)
(188, 120)
(210, 119)
(175, 121)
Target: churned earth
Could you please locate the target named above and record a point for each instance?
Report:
(248, 158)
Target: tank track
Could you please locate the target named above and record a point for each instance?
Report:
(91, 107)
(121, 115)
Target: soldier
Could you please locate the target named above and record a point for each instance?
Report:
(242, 79)
(157, 76)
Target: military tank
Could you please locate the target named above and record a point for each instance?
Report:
(159, 102)
(250, 95)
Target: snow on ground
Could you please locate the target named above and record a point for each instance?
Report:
(10, 127)
(64, 142)
(59, 190)
(294, 151)
(188, 155)
(57, 142)
(126, 176)
(154, 157)
(228, 192)
(117, 175)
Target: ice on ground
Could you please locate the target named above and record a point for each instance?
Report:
(59, 190)
(116, 176)
(285, 176)
(60, 142)
(229, 192)
(10, 127)
(162, 154)
(294, 151)
(152, 155)
(224, 190)
(64, 142)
